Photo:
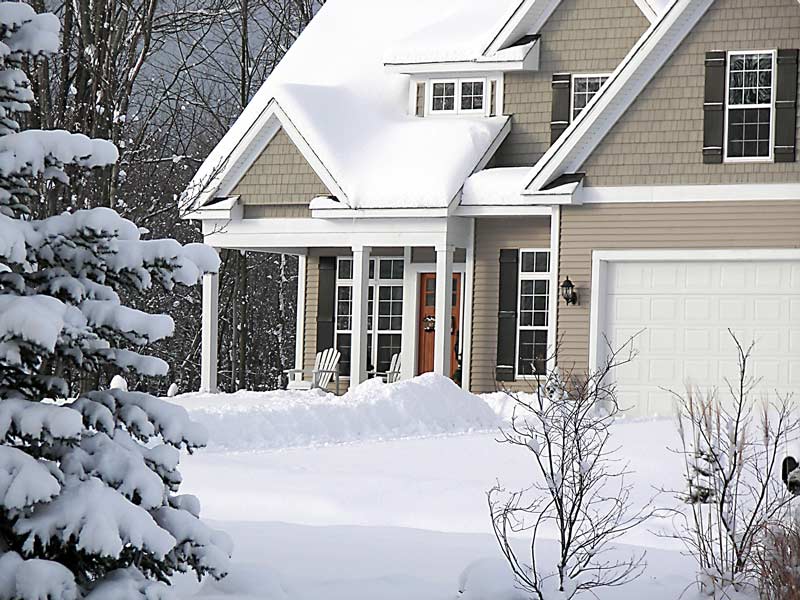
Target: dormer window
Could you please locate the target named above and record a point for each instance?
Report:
(457, 96)
(584, 88)
(444, 97)
(472, 94)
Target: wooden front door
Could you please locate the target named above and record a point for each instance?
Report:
(427, 322)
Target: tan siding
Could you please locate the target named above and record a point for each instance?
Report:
(288, 211)
(582, 36)
(659, 140)
(492, 235)
(281, 175)
(689, 225)
(311, 307)
(420, 99)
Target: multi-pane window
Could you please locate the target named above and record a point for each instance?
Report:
(534, 312)
(444, 97)
(472, 95)
(584, 88)
(384, 317)
(750, 105)
(458, 96)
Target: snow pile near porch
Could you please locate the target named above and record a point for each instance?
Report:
(423, 406)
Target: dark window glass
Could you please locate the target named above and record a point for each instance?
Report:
(392, 268)
(345, 268)
(749, 132)
(472, 95)
(343, 343)
(583, 90)
(344, 308)
(532, 352)
(535, 262)
(388, 346)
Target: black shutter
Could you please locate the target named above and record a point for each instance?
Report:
(562, 82)
(326, 310)
(714, 107)
(507, 315)
(786, 107)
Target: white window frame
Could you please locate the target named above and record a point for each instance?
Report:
(572, 116)
(457, 103)
(375, 283)
(545, 276)
(771, 106)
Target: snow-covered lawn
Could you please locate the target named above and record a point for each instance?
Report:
(397, 517)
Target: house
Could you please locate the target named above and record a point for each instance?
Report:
(443, 168)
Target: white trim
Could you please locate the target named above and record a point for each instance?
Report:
(408, 360)
(376, 213)
(288, 234)
(649, 12)
(300, 332)
(691, 193)
(529, 17)
(555, 284)
(633, 74)
(729, 107)
(467, 286)
(490, 63)
(443, 310)
(601, 259)
(492, 150)
(532, 210)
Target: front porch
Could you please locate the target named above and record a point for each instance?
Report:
(371, 288)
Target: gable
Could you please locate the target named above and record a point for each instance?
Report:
(581, 36)
(279, 176)
(659, 140)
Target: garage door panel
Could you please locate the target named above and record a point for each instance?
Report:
(685, 310)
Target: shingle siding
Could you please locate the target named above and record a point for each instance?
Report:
(657, 226)
(659, 140)
(280, 176)
(492, 235)
(582, 36)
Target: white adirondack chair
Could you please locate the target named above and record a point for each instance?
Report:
(393, 374)
(326, 367)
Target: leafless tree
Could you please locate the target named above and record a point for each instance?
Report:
(565, 425)
(732, 459)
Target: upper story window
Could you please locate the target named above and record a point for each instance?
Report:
(750, 105)
(584, 88)
(457, 96)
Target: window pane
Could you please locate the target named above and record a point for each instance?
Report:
(344, 308)
(750, 78)
(343, 343)
(390, 308)
(388, 346)
(472, 95)
(528, 261)
(392, 268)
(444, 96)
(345, 268)
(749, 132)
(583, 90)
(532, 355)
(542, 262)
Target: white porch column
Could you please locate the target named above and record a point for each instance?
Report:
(444, 310)
(300, 334)
(408, 360)
(358, 348)
(210, 328)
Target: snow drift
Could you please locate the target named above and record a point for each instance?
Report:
(425, 405)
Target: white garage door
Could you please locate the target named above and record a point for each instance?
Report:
(685, 310)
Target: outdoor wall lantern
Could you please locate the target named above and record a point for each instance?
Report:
(568, 292)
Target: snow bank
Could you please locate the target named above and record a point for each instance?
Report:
(426, 405)
(489, 579)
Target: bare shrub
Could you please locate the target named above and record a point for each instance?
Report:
(732, 459)
(778, 563)
(582, 490)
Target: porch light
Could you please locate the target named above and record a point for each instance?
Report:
(568, 292)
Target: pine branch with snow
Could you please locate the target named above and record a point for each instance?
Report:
(89, 503)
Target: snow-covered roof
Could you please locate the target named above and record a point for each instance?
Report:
(349, 114)
(353, 113)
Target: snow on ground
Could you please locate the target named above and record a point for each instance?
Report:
(388, 518)
(248, 421)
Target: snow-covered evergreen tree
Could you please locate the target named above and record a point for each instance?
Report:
(88, 486)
